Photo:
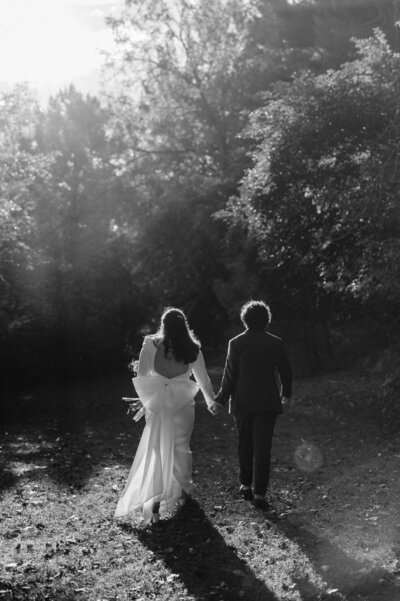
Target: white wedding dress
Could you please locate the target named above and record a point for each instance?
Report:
(162, 467)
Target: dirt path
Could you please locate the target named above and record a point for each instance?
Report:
(333, 534)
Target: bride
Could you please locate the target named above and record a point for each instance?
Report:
(161, 474)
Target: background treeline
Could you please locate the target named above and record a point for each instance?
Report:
(240, 148)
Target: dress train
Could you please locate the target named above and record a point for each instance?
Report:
(162, 467)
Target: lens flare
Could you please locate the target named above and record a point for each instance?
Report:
(308, 457)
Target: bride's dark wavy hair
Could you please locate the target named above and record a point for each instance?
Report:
(179, 340)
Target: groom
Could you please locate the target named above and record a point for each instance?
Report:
(255, 360)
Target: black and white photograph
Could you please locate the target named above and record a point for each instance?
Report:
(199, 300)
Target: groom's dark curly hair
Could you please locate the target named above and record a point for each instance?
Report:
(255, 315)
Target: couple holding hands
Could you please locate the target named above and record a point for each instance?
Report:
(257, 381)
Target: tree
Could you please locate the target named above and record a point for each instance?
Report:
(24, 172)
(320, 201)
(86, 283)
(188, 74)
(184, 75)
(320, 32)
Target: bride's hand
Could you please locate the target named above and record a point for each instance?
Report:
(135, 407)
(214, 408)
(139, 414)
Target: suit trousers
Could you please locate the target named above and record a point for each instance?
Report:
(255, 432)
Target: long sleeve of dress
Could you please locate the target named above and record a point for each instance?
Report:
(145, 363)
(203, 379)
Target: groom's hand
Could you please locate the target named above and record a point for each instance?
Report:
(287, 402)
(215, 408)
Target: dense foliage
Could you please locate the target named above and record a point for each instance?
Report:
(239, 148)
(320, 204)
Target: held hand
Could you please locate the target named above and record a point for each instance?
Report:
(214, 408)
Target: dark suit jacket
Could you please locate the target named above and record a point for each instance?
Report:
(254, 362)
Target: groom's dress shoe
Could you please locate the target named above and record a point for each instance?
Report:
(260, 504)
(185, 497)
(246, 493)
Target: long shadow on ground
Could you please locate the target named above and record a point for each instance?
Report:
(192, 548)
(353, 579)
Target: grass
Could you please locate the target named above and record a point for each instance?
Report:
(333, 533)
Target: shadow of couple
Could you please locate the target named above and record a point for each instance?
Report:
(193, 549)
